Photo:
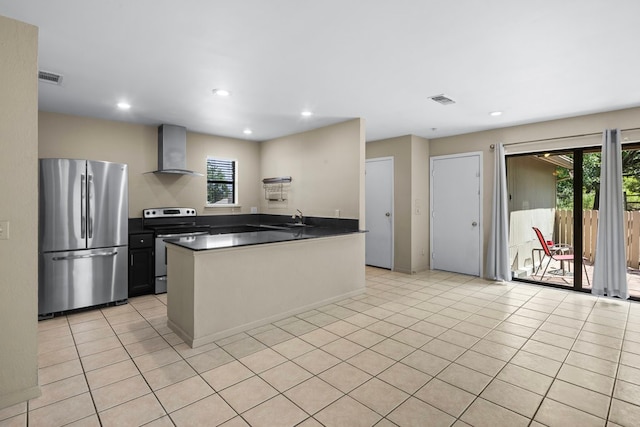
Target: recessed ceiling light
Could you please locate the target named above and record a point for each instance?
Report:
(124, 105)
(221, 92)
(306, 113)
(247, 131)
(495, 113)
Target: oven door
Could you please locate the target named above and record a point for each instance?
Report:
(161, 257)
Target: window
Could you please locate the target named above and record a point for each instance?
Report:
(221, 182)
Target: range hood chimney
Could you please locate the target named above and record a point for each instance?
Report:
(172, 151)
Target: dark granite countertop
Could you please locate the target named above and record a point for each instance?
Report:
(238, 223)
(266, 235)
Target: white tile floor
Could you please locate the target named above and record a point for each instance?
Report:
(416, 350)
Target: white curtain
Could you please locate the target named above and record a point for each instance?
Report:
(610, 269)
(498, 267)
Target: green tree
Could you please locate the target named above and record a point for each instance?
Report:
(216, 190)
(631, 171)
(591, 180)
(564, 188)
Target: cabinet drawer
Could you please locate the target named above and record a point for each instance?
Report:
(144, 240)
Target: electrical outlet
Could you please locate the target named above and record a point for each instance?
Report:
(4, 230)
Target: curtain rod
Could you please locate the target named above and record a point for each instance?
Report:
(565, 137)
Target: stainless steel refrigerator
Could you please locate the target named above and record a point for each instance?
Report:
(83, 234)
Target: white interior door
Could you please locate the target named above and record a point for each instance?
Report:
(456, 222)
(379, 212)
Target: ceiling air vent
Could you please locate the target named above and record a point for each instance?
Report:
(49, 77)
(441, 99)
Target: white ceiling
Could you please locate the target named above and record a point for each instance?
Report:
(376, 59)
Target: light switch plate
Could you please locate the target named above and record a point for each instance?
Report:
(4, 230)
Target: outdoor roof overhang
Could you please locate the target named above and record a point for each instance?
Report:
(558, 160)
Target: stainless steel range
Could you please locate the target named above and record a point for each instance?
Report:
(169, 223)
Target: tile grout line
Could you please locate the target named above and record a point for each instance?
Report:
(563, 362)
(410, 395)
(346, 361)
(615, 379)
(141, 373)
(134, 364)
(477, 396)
(391, 337)
(559, 369)
(382, 294)
(494, 328)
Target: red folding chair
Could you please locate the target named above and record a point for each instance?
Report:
(555, 253)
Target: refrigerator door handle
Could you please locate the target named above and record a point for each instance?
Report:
(65, 258)
(89, 206)
(83, 209)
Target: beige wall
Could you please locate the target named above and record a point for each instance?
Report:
(19, 190)
(326, 166)
(531, 183)
(411, 199)
(420, 204)
(81, 137)
(481, 141)
(362, 157)
(400, 149)
(322, 162)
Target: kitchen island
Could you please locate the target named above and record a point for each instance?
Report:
(220, 285)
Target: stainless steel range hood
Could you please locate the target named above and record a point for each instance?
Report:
(172, 151)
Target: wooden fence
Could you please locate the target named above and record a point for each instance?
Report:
(563, 233)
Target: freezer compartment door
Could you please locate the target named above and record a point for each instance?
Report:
(62, 204)
(107, 204)
(77, 279)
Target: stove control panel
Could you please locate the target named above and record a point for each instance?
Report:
(168, 212)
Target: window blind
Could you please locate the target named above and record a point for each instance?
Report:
(221, 181)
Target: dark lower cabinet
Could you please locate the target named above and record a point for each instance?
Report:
(141, 264)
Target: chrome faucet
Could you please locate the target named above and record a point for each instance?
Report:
(298, 215)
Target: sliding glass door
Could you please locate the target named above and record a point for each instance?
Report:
(590, 210)
(631, 188)
(541, 219)
(558, 193)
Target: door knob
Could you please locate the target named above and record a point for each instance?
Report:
(474, 223)
(387, 214)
